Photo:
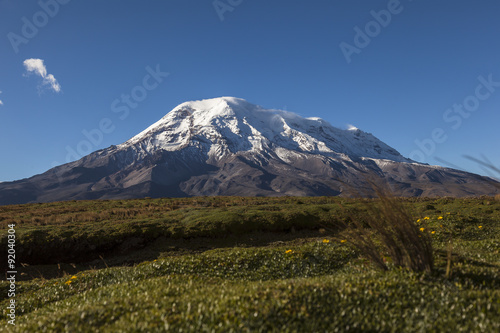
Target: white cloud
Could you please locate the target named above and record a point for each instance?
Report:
(37, 66)
(1, 103)
(51, 80)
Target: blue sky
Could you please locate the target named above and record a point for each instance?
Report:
(411, 63)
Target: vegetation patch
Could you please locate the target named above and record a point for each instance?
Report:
(250, 265)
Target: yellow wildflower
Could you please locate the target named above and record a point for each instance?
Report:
(426, 218)
(73, 277)
(418, 220)
(326, 241)
(433, 232)
(440, 218)
(422, 229)
(288, 251)
(343, 241)
(480, 227)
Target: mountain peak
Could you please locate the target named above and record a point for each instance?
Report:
(220, 105)
(228, 125)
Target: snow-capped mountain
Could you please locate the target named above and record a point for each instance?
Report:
(227, 146)
(228, 125)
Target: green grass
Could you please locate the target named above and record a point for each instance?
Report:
(289, 280)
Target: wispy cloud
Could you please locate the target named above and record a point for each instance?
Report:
(1, 103)
(37, 67)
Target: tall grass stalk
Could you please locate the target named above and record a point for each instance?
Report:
(388, 229)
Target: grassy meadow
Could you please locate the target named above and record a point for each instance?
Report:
(237, 264)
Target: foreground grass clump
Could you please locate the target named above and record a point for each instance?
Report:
(318, 286)
(389, 229)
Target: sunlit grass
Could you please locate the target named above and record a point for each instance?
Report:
(305, 285)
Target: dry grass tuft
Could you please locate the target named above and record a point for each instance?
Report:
(388, 229)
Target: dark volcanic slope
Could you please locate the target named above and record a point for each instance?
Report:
(227, 146)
